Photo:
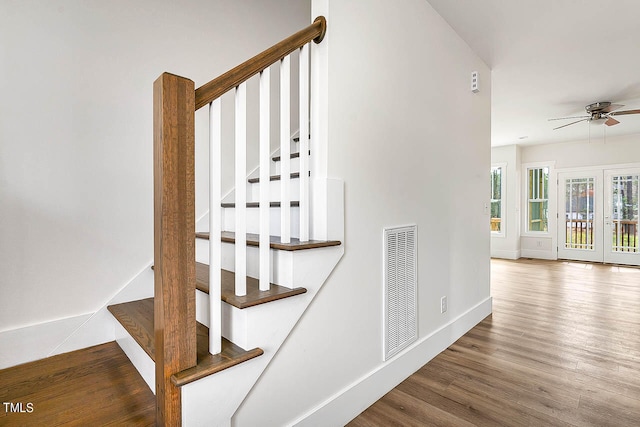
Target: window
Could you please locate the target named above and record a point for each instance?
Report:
(538, 197)
(496, 199)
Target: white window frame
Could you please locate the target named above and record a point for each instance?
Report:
(551, 199)
(503, 198)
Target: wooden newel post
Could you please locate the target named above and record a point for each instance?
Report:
(174, 240)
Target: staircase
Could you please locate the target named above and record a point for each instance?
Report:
(204, 339)
(136, 317)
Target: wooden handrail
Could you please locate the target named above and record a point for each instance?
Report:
(243, 72)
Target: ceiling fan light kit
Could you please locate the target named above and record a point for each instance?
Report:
(601, 112)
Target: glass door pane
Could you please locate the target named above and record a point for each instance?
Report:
(621, 217)
(580, 216)
(624, 213)
(579, 213)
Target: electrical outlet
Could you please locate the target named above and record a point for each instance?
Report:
(443, 304)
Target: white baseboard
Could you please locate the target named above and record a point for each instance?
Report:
(497, 253)
(61, 336)
(355, 398)
(99, 328)
(35, 342)
(532, 253)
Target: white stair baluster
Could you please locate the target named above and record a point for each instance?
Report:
(318, 143)
(303, 144)
(265, 129)
(215, 227)
(241, 191)
(285, 149)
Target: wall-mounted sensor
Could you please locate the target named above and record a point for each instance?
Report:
(475, 86)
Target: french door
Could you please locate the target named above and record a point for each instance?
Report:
(621, 217)
(598, 216)
(580, 199)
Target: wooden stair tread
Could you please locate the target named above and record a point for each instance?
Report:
(297, 138)
(254, 295)
(254, 239)
(292, 156)
(257, 204)
(137, 318)
(208, 363)
(293, 175)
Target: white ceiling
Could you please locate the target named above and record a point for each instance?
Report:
(550, 58)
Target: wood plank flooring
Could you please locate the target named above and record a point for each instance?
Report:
(562, 348)
(97, 386)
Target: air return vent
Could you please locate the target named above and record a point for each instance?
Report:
(400, 289)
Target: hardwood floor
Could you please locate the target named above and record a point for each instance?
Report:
(97, 386)
(562, 348)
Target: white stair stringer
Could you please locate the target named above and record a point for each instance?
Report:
(213, 400)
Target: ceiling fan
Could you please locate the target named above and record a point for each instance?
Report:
(599, 112)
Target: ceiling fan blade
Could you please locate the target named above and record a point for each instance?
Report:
(611, 108)
(566, 118)
(569, 124)
(611, 121)
(622, 113)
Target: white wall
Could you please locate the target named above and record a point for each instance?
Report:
(412, 143)
(507, 244)
(597, 154)
(76, 194)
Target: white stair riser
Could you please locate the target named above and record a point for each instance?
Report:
(141, 360)
(253, 216)
(295, 166)
(240, 325)
(234, 320)
(281, 262)
(253, 190)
